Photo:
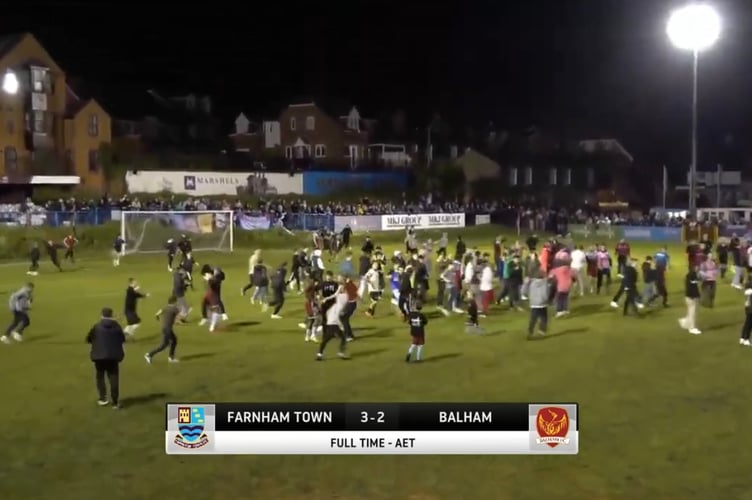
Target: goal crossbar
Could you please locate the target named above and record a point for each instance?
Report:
(149, 231)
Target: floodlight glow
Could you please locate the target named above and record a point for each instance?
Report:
(695, 27)
(10, 83)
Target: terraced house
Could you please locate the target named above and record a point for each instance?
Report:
(45, 128)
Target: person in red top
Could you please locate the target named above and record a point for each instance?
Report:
(352, 302)
(622, 256)
(312, 313)
(69, 242)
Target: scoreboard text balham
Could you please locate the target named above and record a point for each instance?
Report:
(372, 429)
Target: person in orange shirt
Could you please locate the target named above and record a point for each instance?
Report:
(544, 258)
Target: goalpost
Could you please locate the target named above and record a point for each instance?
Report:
(147, 232)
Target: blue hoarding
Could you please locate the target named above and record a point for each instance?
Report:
(324, 183)
(651, 233)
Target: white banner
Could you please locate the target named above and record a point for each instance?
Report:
(422, 221)
(482, 219)
(213, 183)
(369, 443)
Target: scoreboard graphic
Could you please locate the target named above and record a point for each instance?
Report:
(372, 429)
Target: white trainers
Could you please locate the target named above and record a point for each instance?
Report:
(614, 304)
(225, 317)
(17, 337)
(695, 331)
(102, 402)
(683, 323)
(302, 325)
(173, 360)
(745, 342)
(147, 358)
(276, 316)
(264, 307)
(202, 322)
(5, 339)
(640, 305)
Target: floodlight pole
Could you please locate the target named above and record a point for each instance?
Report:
(693, 164)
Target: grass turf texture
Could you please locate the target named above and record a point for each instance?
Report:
(665, 414)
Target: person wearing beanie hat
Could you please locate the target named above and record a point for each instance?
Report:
(106, 338)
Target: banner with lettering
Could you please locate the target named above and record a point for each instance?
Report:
(213, 183)
(422, 221)
(358, 223)
(253, 223)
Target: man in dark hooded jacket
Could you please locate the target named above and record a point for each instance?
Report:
(107, 339)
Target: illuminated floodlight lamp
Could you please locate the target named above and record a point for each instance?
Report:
(695, 27)
(10, 83)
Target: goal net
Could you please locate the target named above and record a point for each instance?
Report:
(148, 232)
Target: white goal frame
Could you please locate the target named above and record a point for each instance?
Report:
(228, 234)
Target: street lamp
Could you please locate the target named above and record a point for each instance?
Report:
(10, 83)
(694, 27)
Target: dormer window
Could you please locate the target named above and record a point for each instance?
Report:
(293, 124)
(310, 123)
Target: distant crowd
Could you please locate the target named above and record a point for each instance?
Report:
(527, 216)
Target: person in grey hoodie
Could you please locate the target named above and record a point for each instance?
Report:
(538, 295)
(19, 304)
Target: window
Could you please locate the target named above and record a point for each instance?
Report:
(320, 151)
(288, 152)
(310, 123)
(38, 122)
(11, 159)
(293, 123)
(552, 176)
(10, 126)
(590, 177)
(567, 176)
(93, 125)
(38, 79)
(513, 176)
(528, 176)
(93, 160)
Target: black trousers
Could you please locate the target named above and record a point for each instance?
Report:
(404, 304)
(69, 255)
(55, 261)
(603, 277)
(621, 262)
(34, 265)
(330, 332)
(708, 289)
(660, 287)
(294, 277)
(346, 315)
(169, 340)
(631, 301)
(111, 369)
(539, 316)
(747, 328)
(440, 291)
(278, 300)
(20, 322)
(170, 259)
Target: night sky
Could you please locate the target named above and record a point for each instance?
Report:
(581, 67)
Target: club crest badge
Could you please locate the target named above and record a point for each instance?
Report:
(552, 424)
(191, 428)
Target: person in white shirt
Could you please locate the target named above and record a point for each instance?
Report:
(372, 280)
(486, 287)
(579, 266)
(333, 327)
(317, 266)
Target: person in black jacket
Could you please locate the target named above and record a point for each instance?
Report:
(629, 287)
(34, 258)
(278, 290)
(722, 250)
(297, 264)
(107, 339)
(747, 327)
(691, 298)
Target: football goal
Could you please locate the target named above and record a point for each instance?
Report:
(148, 232)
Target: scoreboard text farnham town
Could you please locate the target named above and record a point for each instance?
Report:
(372, 429)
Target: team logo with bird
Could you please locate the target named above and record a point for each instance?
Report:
(552, 424)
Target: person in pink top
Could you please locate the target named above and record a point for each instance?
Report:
(603, 263)
(708, 274)
(564, 277)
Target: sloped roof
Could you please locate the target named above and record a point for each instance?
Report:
(477, 166)
(9, 42)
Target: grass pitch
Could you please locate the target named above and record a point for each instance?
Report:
(664, 415)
